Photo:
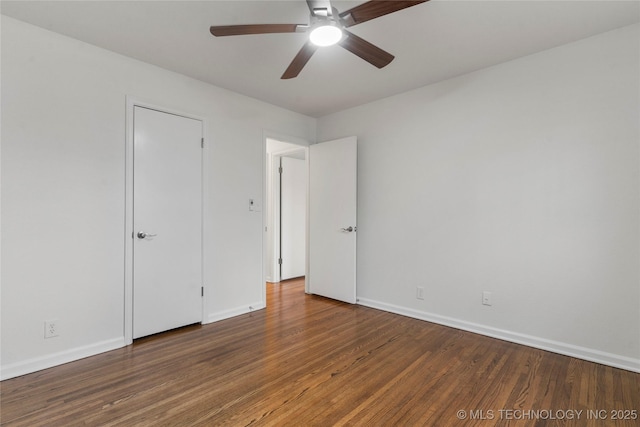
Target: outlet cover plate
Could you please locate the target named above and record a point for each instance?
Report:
(486, 298)
(51, 328)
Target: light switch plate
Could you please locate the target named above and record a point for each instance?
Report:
(486, 298)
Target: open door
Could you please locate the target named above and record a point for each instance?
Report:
(332, 219)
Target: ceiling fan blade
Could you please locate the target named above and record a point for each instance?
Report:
(320, 7)
(365, 50)
(374, 9)
(300, 60)
(240, 30)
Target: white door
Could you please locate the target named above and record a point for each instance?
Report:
(167, 221)
(293, 202)
(332, 219)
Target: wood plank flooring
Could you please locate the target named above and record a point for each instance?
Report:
(311, 361)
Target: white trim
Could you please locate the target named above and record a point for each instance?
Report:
(307, 160)
(132, 102)
(267, 134)
(49, 361)
(226, 314)
(610, 359)
(273, 199)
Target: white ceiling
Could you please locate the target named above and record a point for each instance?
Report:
(432, 41)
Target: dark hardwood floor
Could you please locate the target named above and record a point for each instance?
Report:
(307, 360)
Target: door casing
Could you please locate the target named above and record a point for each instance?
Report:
(272, 212)
(267, 217)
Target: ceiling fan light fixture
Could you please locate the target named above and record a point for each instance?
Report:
(327, 26)
(326, 34)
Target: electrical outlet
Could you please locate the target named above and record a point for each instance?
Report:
(51, 328)
(486, 298)
(419, 292)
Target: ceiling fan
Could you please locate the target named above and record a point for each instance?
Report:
(327, 27)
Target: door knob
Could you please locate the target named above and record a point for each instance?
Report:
(349, 229)
(143, 235)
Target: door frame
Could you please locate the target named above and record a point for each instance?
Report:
(131, 103)
(268, 159)
(276, 212)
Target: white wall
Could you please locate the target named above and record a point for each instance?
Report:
(63, 153)
(521, 179)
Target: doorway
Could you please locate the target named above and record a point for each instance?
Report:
(286, 211)
(330, 215)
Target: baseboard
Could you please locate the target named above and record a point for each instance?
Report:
(221, 315)
(610, 359)
(49, 361)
